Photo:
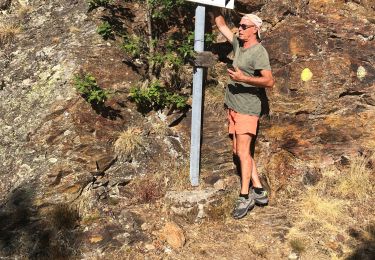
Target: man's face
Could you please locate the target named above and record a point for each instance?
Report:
(246, 29)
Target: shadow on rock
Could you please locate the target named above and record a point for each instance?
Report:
(107, 111)
(37, 233)
(366, 250)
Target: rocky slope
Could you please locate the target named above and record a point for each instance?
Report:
(67, 193)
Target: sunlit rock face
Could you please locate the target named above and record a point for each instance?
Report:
(56, 148)
(322, 105)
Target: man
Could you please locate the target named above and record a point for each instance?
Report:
(251, 71)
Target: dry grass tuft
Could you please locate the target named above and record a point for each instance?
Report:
(160, 129)
(129, 141)
(23, 11)
(150, 190)
(298, 245)
(64, 216)
(320, 209)
(8, 32)
(336, 203)
(178, 176)
(356, 183)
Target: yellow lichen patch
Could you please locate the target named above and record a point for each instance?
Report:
(96, 238)
(361, 73)
(306, 74)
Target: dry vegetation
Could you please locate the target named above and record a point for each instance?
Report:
(129, 142)
(170, 176)
(64, 216)
(330, 209)
(8, 32)
(23, 10)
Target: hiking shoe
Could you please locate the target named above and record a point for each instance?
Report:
(242, 207)
(259, 199)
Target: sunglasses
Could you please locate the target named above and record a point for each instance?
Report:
(245, 26)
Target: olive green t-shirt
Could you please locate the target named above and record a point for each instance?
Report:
(241, 97)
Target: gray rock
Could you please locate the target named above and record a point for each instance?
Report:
(191, 205)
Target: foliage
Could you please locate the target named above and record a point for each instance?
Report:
(156, 97)
(163, 41)
(186, 49)
(161, 9)
(132, 45)
(87, 86)
(105, 30)
(97, 3)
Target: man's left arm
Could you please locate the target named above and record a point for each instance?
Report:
(264, 81)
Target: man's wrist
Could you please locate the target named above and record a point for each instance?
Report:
(245, 79)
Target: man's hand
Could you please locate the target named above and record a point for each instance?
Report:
(236, 74)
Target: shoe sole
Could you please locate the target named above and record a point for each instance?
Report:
(260, 202)
(243, 215)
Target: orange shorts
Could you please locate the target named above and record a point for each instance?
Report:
(242, 124)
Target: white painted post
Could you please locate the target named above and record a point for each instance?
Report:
(196, 120)
(197, 99)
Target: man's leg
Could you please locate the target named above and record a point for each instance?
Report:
(245, 202)
(255, 176)
(257, 192)
(243, 152)
(236, 160)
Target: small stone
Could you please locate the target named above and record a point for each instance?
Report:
(52, 160)
(145, 226)
(150, 247)
(219, 185)
(293, 256)
(167, 250)
(173, 234)
(340, 238)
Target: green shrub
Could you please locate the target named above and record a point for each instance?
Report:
(87, 86)
(105, 30)
(132, 45)
(156, 97)
(161, 9)
(97, 3)
(186, 48)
